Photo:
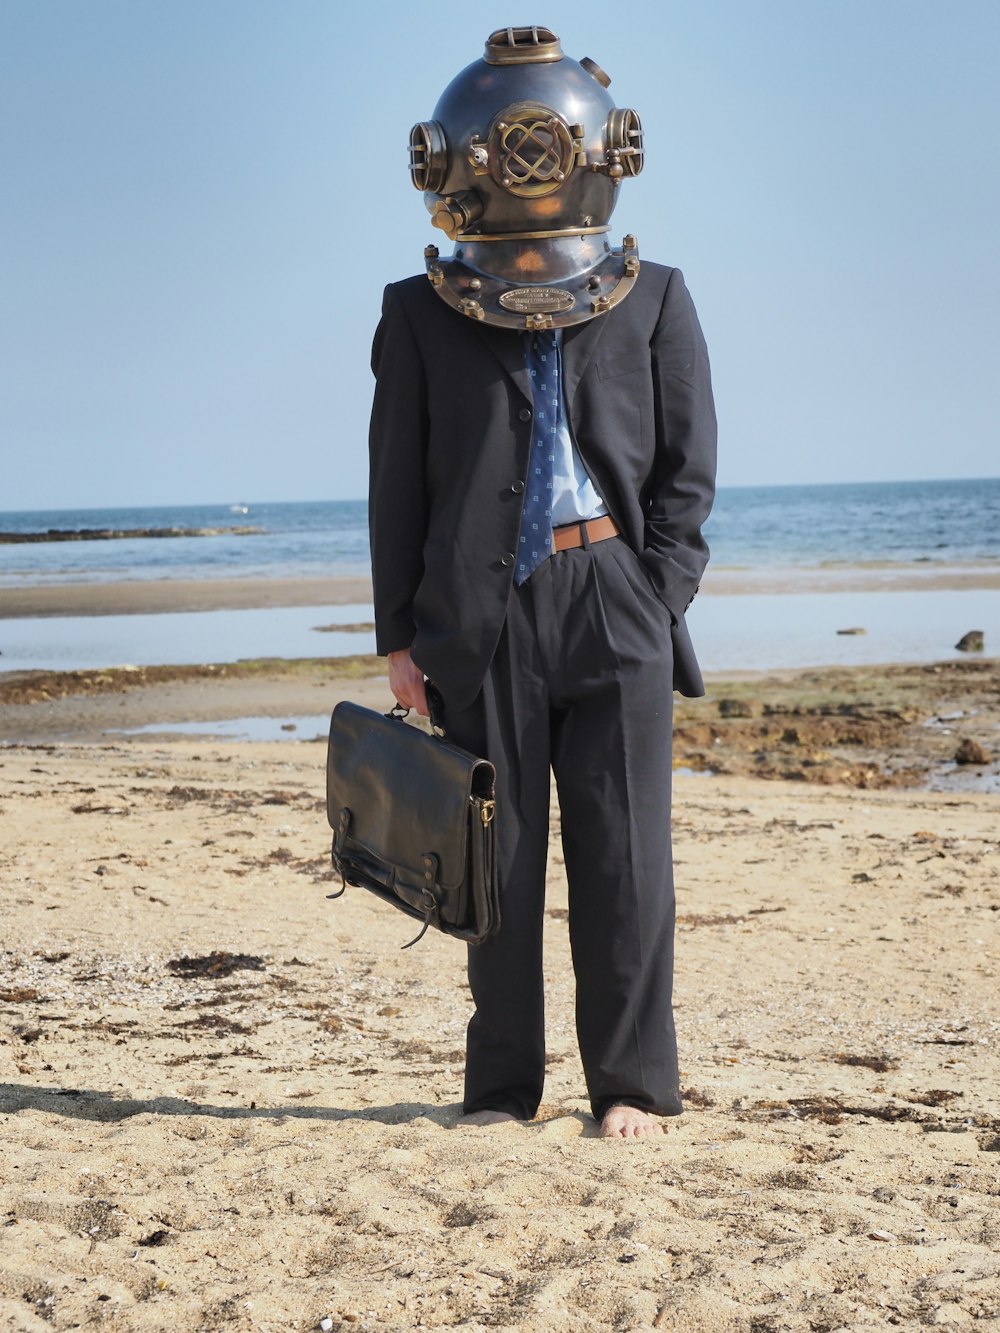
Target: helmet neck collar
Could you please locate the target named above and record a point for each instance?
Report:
(537, 282)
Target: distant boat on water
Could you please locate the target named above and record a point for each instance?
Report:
(239, 509)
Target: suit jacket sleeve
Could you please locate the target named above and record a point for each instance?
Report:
(397, 500)
(683, 481)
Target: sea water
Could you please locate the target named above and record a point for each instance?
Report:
(745, 632)
(941, 523)
(933, 526)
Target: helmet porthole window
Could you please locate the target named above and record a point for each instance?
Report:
(625, 138)
(428, 156)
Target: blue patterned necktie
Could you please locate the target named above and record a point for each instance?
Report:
(541, 356)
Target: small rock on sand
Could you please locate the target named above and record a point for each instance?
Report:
(735, 708)
(971, 752)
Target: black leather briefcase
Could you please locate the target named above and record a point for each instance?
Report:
(414, 821)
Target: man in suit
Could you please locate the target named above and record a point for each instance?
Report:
(542, 462)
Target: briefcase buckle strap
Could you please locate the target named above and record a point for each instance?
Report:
(339, 839)
(430, 901)
(487, 810)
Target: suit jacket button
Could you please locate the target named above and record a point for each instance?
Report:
(524, 414)
(518, 488)
(507, 559)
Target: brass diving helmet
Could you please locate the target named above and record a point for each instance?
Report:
(521, 168)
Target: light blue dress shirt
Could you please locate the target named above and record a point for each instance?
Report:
(574, 497)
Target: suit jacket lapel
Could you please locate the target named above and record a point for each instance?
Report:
(507, 346)
(579, 344)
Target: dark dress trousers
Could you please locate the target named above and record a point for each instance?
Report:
(574, 669)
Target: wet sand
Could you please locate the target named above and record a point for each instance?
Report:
(155, 596)
(150, 597)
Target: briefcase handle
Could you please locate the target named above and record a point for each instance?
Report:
(435, 703)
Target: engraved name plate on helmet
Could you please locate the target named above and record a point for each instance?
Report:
(528, 300)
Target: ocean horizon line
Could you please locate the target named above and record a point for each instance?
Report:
(235, 504)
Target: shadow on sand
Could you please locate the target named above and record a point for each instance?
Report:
(91, 1104)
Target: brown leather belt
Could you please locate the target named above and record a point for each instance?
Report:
(571, 534)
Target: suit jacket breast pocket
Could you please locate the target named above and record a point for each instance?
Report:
(626, 363)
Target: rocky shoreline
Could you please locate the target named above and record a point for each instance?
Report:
(865, 727)
(903, 726)
(119, 534)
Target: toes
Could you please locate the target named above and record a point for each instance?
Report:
(628, 1122)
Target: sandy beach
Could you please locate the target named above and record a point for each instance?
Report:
(229, 1103)
(150, 597)
(143, 597)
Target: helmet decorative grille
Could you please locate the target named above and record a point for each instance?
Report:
(534, 150)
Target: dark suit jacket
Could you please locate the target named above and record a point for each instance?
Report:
(450, 436)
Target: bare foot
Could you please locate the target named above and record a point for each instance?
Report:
(487, 1118)
(628, 1122)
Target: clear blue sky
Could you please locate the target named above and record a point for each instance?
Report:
(201, 202)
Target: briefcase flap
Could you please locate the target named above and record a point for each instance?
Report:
(407, 793)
